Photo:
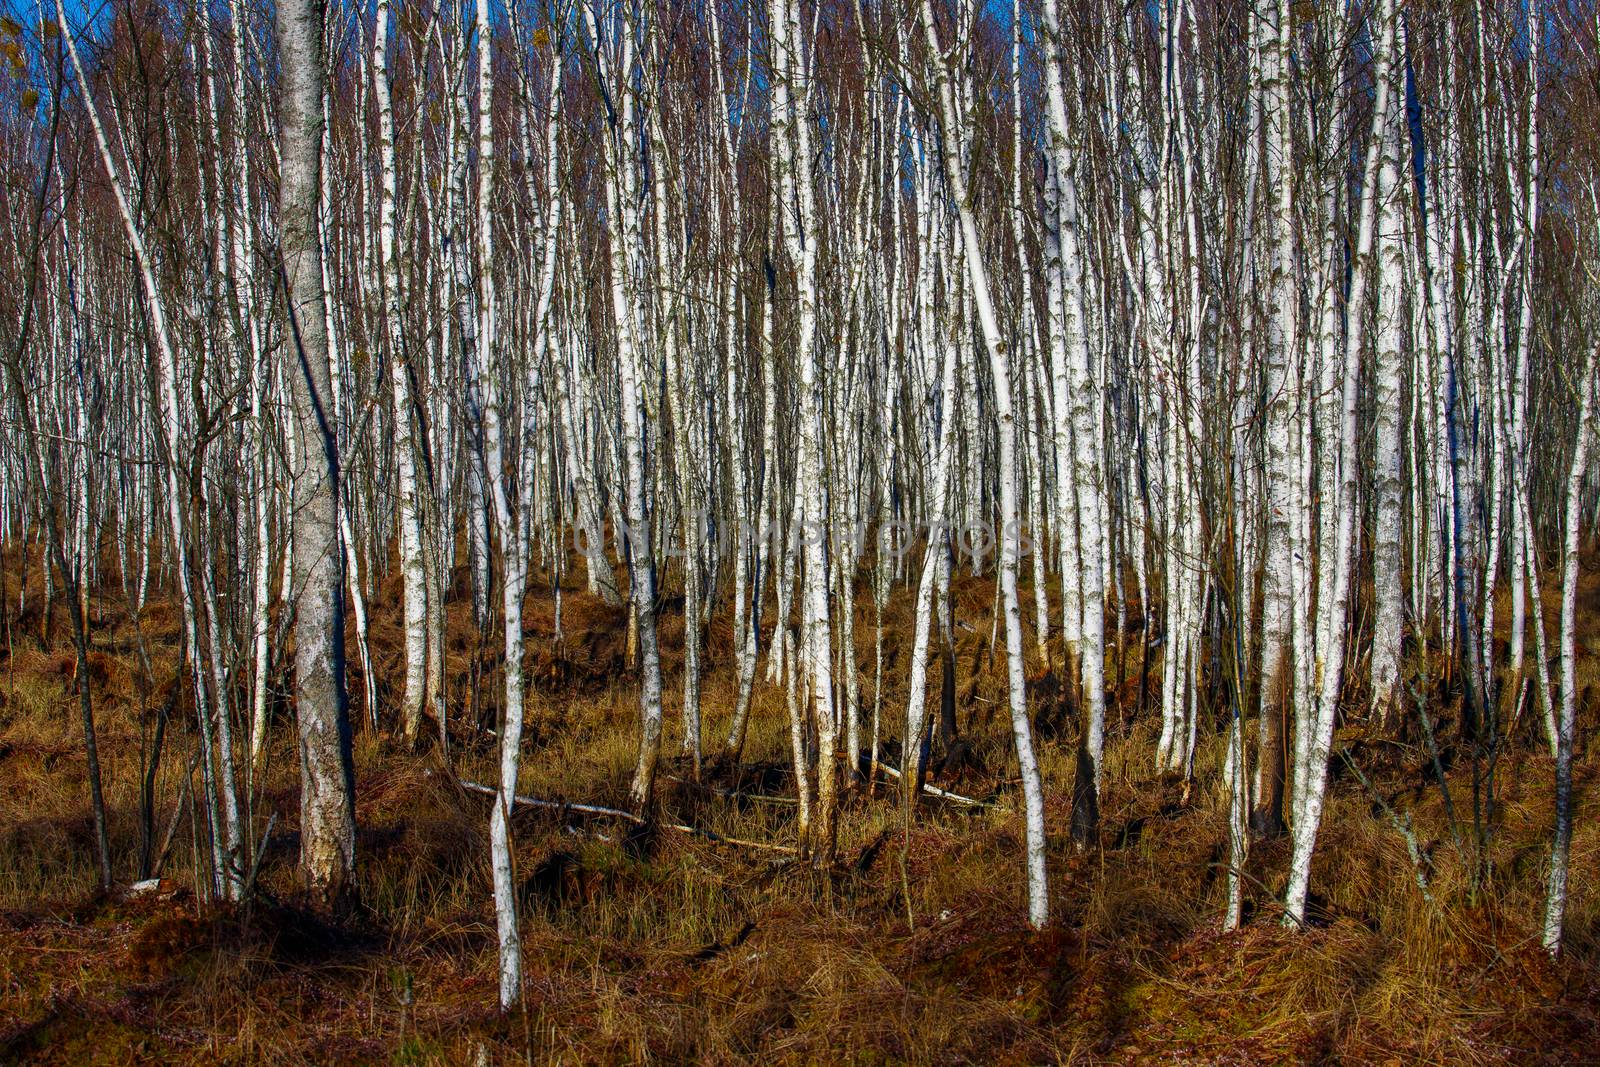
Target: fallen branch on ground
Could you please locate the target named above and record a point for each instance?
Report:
(733, 794)
(555, 805)
(935, 791)
(618, 813)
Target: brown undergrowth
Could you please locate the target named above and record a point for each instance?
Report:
(912, 948)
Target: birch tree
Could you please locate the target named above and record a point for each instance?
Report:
(327, 787)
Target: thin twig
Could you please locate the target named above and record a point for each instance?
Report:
(177, 813)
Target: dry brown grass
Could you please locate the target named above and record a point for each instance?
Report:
(674, 949)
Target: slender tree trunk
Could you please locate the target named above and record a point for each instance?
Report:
(954, 153)
(1561, 842)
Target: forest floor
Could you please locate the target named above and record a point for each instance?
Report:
(913, 948)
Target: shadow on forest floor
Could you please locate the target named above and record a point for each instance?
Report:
(913, 947)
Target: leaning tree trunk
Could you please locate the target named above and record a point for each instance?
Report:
(956, 140)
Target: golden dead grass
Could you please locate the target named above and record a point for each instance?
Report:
(913, 949)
